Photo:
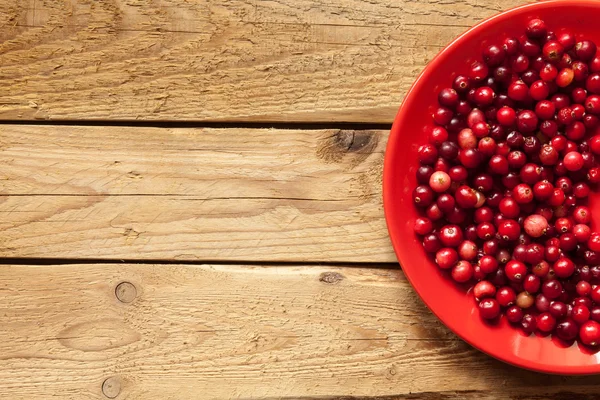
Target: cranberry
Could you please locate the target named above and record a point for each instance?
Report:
(567, 330)
(466, 197)
(462, 271)
(541, 269)
(470, 158)
(484, 96)
(579, 95)
(431, 243)
(565, 77)
(580, 71)
(583, 288)
(448, 97)
(518, 90)
(434, 213)
(506, 116)
(536, 29)
(489, 308)
(582, 215)
(498, 165)
(514, 314)
(539, 90)
(582, 233)
(585, 50)
(448, 150)
(488, 264)
(552, 289)
(486, 230)
(590, 333)
(487, 146)
(528, 323)
(544, 109)
(530, 173)
(564, 268)
(423, 226)
(511, 46)
(478, 72)
(527, 121)
(573, 161)
(446, 258)
(458, 173)
(580, 314)
(558, 309)
(483, 290)
(592, 104)
(440, 181)
(422, 196)
(546, 322)
(522, 193)
(515, 271)
(525, 300)
(531, 284)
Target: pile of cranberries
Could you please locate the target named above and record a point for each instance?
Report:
(504, 182)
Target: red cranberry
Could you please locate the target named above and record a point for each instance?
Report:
(528, 323)
(567, 330)
(478, 72)
(523, 194)
(546, 322)
(466, 197)
(582, 215)
(585, 50)
(423, 226)
(580, 314)
(541, 269)
(514, 314)
(531, 284)
(518, 90)
(590, 333)
(515, 271)
(462, 271)
(458, 173)
(552, 289)
(565, 77)
(527, 121)
(446, 258)
(431, 243)
(422, 196)
(498, 165)
(486, 230)
(489, 308)
(564, 268)
(488, 264)
(483, 290)
(536, 29)
(558, 309)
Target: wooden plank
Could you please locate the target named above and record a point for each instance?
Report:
(216, 332)
(192, 194)
(221, 60)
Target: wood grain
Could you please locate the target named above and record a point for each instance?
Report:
(192, 194)
(217, 332)
(221, 60)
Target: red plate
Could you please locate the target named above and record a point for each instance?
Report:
(451, 304)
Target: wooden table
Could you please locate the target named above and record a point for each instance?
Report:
(191, 204)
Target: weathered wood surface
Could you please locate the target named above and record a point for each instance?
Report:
(221, 60)
(218, 332)
(192, 194)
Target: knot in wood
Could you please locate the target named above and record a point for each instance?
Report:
(331, 277)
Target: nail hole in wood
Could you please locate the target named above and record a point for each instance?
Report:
(125, 292)
(111, 387)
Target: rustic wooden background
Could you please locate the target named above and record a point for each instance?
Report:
(190, 204)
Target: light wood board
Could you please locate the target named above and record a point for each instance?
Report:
(221, 60)
(192, 194)
(219, 332)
